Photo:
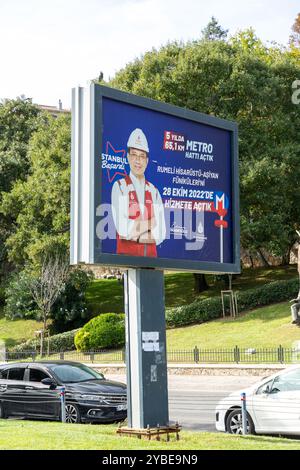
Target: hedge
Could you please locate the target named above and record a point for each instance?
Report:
(61, 342)
(201, 311)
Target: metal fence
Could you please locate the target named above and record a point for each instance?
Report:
(105, 356)
(236, 356)
(196, 355)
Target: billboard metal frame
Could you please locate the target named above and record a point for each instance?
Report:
(86, 195)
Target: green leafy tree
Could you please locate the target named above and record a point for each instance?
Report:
(245, 81)
(40, 206)
(70, 310)
(67, 312)
(19, 301)
(19, 119)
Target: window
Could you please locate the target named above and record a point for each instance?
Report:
(67, 373)
(265, 388)
(16, 374)
(4, 374)
(37, 375)
(287, 382)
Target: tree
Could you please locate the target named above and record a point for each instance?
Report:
(200, 283)
(295, 36)
(213, 31)
(19, 119)
(245, 81)
(70, 309)
(40, 206)
(48, 286)
(19, 302)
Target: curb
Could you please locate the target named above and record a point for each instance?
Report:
(202, 369)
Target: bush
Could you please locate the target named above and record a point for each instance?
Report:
(61, 342)
(70, 309)
(204, 310)
(273, 292)
(68, 312)
(102, 332)
(19, 301)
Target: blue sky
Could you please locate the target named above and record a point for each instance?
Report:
(50, 46)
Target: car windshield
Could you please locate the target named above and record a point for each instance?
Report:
(71, 373)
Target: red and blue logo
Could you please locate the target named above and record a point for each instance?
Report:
(221, 205)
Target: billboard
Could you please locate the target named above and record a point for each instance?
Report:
(153, 185)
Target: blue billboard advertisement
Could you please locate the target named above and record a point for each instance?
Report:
(165, 187)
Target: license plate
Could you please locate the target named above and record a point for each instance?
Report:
(121, 407)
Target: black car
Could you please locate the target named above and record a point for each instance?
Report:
(33, 390)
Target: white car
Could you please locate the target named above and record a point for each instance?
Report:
(273, 406)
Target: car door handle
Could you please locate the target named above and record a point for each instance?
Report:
(28, 388)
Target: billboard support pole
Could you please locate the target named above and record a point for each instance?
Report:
(221, 243)
(146, 359)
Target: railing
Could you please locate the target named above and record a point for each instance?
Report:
(196, 355)
(105, 356)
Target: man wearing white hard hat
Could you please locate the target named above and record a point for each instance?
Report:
(137, 207)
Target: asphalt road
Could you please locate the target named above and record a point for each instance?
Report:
(192, 399)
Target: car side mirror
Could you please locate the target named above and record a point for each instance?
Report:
(267, 390)
(50, 382)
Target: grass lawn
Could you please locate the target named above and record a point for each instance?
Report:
(264, 327)
(25, 435)
(106, 295)
(16, 331)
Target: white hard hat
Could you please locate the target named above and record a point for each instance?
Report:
(137, 140)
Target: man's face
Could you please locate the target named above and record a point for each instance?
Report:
(138, 161)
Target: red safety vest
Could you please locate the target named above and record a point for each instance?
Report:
(129, 247)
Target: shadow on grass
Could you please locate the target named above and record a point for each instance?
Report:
(269, 438)
(106, 295)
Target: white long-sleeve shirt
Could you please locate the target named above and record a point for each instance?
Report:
(120, 207)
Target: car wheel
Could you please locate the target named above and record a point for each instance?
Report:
(2, 412)
(234, 424)
(72, 414)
